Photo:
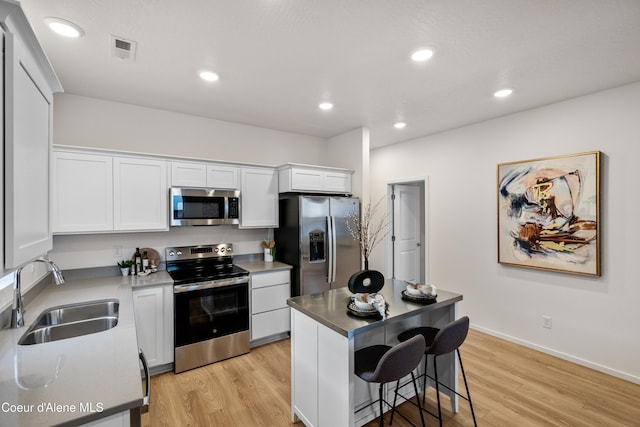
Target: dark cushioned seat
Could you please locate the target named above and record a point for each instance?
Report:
(382, 364)
(440, 342)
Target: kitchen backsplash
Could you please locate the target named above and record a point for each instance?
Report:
(99, 250)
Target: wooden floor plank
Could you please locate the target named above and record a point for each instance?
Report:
(511, 385)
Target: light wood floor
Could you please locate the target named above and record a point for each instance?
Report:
(510, 386)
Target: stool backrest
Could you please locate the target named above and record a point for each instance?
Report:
(450, 337)
(400, 360)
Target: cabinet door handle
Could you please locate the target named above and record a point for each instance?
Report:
(147, 375)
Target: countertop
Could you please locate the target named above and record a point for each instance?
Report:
(330, 307)
(256, 266)
(61, 382)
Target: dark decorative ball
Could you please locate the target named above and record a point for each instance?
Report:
(366, 281)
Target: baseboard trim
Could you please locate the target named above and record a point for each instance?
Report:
(568, 357)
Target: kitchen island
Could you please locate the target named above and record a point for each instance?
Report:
(324, 336)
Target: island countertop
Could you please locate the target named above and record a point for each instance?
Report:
(330, 307)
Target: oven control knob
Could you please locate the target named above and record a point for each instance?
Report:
(228, 249)
(222, 250)
(179, 253)
(216, 250)
(171, 253)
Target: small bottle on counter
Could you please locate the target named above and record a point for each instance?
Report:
(137, 262)
(145, 262)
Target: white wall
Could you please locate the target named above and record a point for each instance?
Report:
(90, 122)
(350, 150)
(595, 320)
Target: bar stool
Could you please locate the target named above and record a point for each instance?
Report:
(383, 364)
(440, 342)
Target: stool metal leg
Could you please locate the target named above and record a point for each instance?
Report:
(467, 388)
(435, 370)
(395, 397)
(424, 383)
(381, 408)
(415, 389)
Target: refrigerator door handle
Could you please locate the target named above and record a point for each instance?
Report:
(334, 249)
(330, 249)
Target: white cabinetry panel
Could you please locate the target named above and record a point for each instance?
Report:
(270, 323)
(82, 193)
(153, 309)
(28, 99)
(306, 179)
(149, 325)
(269, 310)
(200, 175)
(338, 182)
(314, 179)
(259, 280)
(259, 198)
(140, 194)
(188, 174)
(270, 298)
(222, 177)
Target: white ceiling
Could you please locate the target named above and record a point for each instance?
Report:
(277, 59)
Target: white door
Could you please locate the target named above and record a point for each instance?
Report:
(406, 232)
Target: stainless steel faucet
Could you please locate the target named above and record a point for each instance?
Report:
(17, 309)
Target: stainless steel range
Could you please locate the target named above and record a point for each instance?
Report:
(211, 296)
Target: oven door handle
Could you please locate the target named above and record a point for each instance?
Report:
(210, 284)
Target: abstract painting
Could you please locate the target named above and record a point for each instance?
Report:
(549, 213)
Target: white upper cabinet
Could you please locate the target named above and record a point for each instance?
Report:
(314, 179)
(259, 198)
(140, 194)
(185, 174)
(188, 174)
(82, 193)
(28, 83)
(97, 192)
(223, 177)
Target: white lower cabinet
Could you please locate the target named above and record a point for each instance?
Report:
(153, 308)
(269, 309)
(122, 419)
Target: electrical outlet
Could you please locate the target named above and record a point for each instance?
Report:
(547, 322)
(117, 251)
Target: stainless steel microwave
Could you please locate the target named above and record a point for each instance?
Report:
(204, 206)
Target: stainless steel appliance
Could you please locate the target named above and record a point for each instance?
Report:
(211, 300)
(313, 238)
(203, 206)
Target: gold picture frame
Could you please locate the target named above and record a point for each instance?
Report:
(549, 213)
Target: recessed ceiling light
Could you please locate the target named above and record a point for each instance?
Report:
(209, 76)
(503, 93)
(325, 106)
(63, 27)
(399, 125)
(422, 55)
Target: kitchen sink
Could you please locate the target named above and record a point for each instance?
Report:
(73, 320)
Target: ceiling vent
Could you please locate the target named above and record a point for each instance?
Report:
(123, 48)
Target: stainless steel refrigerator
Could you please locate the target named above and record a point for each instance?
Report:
(313, 238)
